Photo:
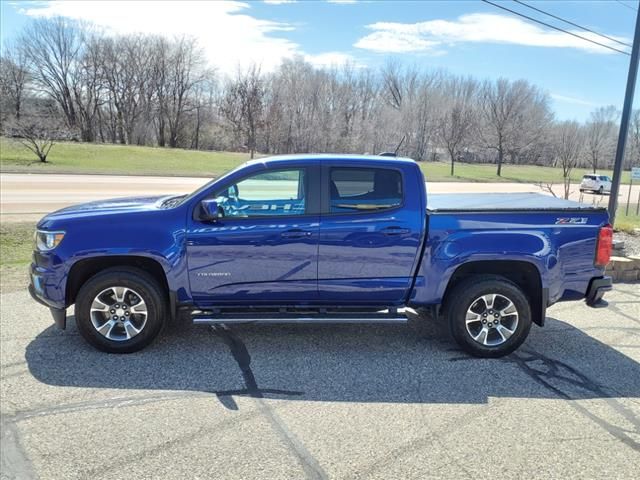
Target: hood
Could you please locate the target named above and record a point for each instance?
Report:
(106, 207)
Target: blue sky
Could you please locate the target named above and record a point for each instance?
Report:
(463, 37)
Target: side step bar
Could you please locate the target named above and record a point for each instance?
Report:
(381, 317)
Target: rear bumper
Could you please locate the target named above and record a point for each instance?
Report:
(597, 288)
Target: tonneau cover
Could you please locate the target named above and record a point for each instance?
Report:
(505, 202)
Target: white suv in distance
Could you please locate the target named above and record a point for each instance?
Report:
(596, 183)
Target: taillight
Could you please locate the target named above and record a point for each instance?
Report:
(604, 246)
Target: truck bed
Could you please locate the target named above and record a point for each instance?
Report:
(504, 202)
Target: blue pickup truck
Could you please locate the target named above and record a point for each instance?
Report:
(320, 238)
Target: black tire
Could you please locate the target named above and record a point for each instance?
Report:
(464, 296)
(601, 191)
(143, 286)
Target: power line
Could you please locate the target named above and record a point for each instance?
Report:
(630, 7)
(555, 28)
(571, 23)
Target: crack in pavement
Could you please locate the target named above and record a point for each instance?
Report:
(179, 441)
(238, 349)
(563, 373)
(14, 463)
(101, 404)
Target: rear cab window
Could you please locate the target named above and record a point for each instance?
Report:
(359, 190)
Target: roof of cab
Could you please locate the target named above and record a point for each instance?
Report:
(328, 157)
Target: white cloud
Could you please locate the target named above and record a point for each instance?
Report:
(342, 2)
(229, 36)
(574, 100)
(278, 2)
(332, 59)
(432, 35)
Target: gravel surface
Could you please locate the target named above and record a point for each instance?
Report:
(323, 402)
(631, 243)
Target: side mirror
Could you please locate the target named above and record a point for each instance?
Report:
(233, 191)
(209, 210)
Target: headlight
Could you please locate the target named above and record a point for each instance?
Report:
(46, 241)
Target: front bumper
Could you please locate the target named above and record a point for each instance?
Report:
(59, 314)
(597, 288)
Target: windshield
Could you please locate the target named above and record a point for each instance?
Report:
(207, 185)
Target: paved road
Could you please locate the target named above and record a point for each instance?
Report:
(323, 402)
(29, 196)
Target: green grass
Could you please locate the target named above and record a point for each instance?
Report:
(16, 243)
(473, 172)
(627, 223)
(70, 157)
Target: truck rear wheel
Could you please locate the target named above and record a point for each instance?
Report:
(120, 310)
(489, 316)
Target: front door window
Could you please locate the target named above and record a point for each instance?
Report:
(267, 194)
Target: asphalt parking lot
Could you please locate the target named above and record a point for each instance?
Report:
(323, 402)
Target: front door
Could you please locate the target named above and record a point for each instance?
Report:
(264, 247)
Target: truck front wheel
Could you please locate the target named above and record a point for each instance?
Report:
(489, 316)
(120, 310)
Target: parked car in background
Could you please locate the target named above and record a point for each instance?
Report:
(596, 183)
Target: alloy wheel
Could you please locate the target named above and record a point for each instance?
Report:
(118, 313)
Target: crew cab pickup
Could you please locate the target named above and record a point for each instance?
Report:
(320, 238)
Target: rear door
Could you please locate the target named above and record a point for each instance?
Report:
(372, 223)
(264, 249)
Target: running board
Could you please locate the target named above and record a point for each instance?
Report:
(378, 318)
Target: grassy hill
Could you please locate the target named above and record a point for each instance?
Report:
(70, 157)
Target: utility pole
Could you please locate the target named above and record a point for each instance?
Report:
(624, 123)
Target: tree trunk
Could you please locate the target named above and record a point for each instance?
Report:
(120, 124)
(197, 133)
(500, 158)
(161, 140)
(453, 159)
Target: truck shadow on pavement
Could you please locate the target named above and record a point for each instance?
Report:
(397, 364)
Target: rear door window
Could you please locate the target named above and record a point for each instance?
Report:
(364, 189)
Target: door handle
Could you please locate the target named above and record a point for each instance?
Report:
(396, 231)
(295, 234)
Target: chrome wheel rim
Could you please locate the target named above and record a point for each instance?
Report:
(491, 319)
(118, 313)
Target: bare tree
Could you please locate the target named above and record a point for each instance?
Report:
(203, 100)
(54, 47)
(568, 148)
(515, 115)
(456, 123)
(37, 135)
(184, 73)
(14, 77)
(633, 154)
(600, 135)
(243, 105)
(125, 72)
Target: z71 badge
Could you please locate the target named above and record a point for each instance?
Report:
(571, 221)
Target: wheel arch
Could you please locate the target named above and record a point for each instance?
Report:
(84, 269)
(524, 274)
